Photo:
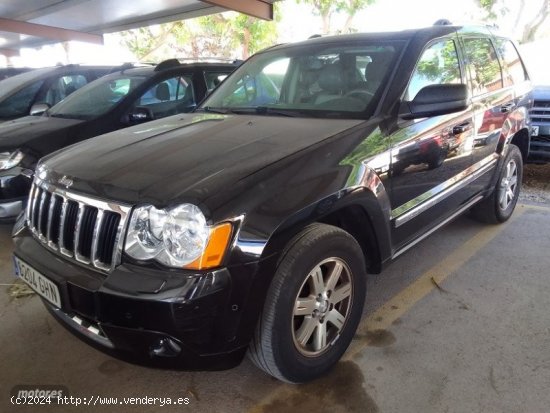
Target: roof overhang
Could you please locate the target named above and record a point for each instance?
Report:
(33, 23)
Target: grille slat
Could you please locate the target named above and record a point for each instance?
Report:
(69, 229)
(82, 229)
(44, 213)
(540, 112)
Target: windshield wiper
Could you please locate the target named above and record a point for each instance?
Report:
(257, 110)
(211, 109)
(266, 110)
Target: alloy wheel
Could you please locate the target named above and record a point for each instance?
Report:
(508, 185)
(321, 307)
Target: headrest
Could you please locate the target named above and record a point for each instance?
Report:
(331, 78)
(162, 92)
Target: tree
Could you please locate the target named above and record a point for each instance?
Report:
(531, 28)
(229, 34)
(528, 31)
(327, 8)
(143, 42)
(351, 7)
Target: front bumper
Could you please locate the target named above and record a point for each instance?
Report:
(156, 317)
(539, 150)
(15, 185)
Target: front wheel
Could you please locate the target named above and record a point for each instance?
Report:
(499, 206)
(313, 306)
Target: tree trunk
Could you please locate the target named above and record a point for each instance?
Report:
(246, 44)
(347, 24)
(326, 23)
(531, 28)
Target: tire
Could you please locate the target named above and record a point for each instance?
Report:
(303, 301)
(499, 206)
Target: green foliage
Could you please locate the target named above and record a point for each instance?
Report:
(326, 8)
(442, 67)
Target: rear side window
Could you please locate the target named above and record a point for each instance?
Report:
(437, 65)
(513, 66)
(213, 79)
(19, 103)
(483, 65)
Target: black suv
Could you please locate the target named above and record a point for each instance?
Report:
(115, 101)
(43, 87)
(539, 151)
(251, 225)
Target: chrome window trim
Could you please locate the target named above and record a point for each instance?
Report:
(82, 200)
(428, 199)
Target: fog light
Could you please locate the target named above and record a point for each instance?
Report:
(165, 347)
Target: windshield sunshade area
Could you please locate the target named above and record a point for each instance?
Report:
(320, 80)
(96, 98)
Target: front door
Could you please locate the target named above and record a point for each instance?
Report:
(429, 156)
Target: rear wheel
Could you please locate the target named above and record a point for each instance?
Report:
(313, 306)
(500, 205)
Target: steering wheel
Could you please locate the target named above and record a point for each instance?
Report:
(362, 94)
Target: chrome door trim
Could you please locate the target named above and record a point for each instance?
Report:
(444, 222)
(428, 199)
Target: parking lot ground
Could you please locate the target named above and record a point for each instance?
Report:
(460, 323)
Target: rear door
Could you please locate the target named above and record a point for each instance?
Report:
(492, 101)
(430, 156)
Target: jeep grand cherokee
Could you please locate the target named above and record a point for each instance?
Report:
(250, 226)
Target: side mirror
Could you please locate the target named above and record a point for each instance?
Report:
(436, 100)
(140, 114)
(38, 109)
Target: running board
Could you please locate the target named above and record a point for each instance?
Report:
(442, 223)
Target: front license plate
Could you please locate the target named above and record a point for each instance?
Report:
(534, 131)
(37, 282)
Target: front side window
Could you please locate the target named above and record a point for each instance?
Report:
(483, 65)
(96, 98)
(438, 65)
(169, 90)
(19, 103)
(328, 80)
(514, 69)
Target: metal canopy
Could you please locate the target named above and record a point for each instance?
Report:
(32, 23)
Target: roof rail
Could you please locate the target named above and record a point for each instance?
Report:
(167, 64)
(443, 22)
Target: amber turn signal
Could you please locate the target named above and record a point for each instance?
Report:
(215, 250)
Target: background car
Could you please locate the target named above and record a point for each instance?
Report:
(539, 150)
(45, 86)
(12, 71)
(115, 101)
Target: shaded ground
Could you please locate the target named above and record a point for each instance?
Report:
(536, 183)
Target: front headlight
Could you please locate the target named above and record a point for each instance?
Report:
(9, 160)
(177, 237)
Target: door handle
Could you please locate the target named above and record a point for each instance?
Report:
(463, 127)
(507, 108)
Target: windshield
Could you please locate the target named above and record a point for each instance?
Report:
(321, 80)
(97, 97)
(14, 83)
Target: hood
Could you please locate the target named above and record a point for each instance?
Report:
(541, 93)
(184, 158)
(21, 132)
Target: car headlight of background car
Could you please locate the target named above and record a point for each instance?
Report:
(10, 159)
(177, 237)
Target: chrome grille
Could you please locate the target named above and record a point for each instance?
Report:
(540, 112)
(86, 230)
